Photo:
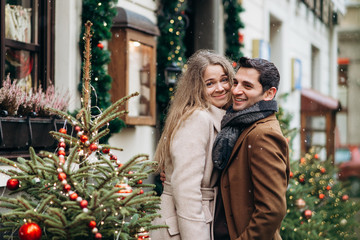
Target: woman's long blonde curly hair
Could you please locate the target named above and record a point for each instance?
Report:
(190, 94)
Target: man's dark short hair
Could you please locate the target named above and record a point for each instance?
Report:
(269, 74)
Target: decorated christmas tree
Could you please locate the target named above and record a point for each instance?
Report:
(318, 206)
(81, 191)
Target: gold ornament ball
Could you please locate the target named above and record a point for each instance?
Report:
(343, 222)
(300, 203)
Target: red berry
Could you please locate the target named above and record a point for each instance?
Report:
(93, 147)
(73, 196)
(62, 158)
(321, 196)
(140, 182)
(62, 130)
(328, 187)
(92, 224)
(113, 157)
(62, 176)
(62, 144)
(67, 187)
(106, 150)
(83, 204)
(291, 174)
(141, 192)
(100, 45)
(322, 170)
(61, 152)
(12, 184)
(83, 138)
(77, 129)
(98, 236)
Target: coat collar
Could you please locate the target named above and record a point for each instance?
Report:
(216, 114)
(245, 133)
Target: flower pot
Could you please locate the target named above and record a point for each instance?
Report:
(17, 134)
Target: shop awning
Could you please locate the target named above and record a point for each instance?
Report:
(129, 19)
(314, 101)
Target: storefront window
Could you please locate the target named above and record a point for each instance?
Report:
(27, 41)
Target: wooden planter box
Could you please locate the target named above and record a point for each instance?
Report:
(18, 134)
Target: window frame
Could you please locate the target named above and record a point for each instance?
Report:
(43, 50)
(119, 71)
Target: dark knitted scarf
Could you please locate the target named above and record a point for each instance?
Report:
(233, 124)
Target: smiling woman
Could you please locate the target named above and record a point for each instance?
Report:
(217, 85)
(191, 126)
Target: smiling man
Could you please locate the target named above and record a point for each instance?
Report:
(253, 156)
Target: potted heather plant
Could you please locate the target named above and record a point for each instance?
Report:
(24, 121)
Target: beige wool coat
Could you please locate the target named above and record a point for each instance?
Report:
(188, 200)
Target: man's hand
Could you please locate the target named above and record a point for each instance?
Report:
(162, 176)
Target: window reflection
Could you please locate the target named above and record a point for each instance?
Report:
(19, 64)
(18, 20)
(139, 78)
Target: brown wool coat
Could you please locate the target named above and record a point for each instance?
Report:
(187, 203)
(254, 182)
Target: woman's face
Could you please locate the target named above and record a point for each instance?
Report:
(217, 85)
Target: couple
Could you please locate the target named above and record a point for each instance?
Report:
(237, 158)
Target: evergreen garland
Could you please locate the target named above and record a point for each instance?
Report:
(233, 24)
(101, 14)
(170, 48)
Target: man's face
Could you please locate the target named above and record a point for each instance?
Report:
(247, 89)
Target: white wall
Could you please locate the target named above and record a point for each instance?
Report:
(67, 53)
(295, 30)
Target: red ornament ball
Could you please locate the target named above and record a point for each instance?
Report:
(140, 181)
(83, 204)
(12, 184)
(62, 176)
(62, 130)
(61, 152)
(77, 129)
(301, 179)
(328, 187)
(30, 231)
(73, 196)
(141, 192)
(83, 138)
(291, 174)
(307, 214)
(62, 144)
(92, 224)
(67, 187)
(321, 196)
(100, 45)
(62, 159)
(98, 236)
(93, 147)
(322, 170)
(345, 197)
(316, 156)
